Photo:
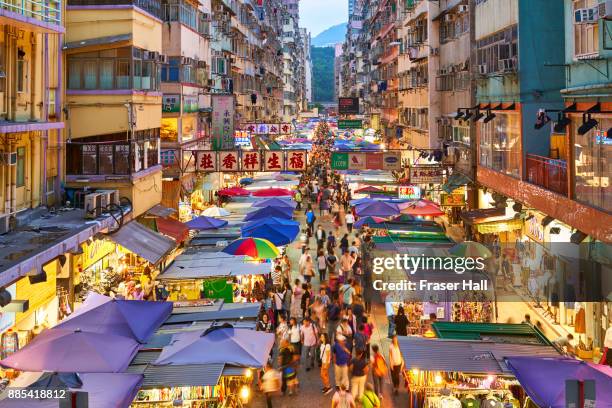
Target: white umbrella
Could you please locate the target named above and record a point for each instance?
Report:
(215, 212)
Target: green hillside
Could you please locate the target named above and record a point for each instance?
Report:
(322, 74)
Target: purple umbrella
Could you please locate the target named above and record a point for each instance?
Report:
(239, 347)
(67, 351)
(268, 212)
(275, 202)
(377, 209)
(544, 379)
(137, 319)
(112, 390)
(205, 223)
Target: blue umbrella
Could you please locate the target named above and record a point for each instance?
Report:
(369, 221)
(377, 208)
(361, 201)
(270, 221)
(205, 223)
(266, 212)
(275, 233)
(246, 181)
(275, 202)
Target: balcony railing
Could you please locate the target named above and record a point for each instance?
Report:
(48, 11)
(548, 173)
(152, 7)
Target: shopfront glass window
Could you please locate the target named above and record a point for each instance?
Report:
(500, 145)
(122, 159)
(89, 158)
(593, 165)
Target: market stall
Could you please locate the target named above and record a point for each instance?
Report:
(439, 370)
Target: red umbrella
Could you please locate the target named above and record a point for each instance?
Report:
(234, 192)
(368, 189)
(423, 208)
(272, 192)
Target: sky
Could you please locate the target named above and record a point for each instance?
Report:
(319, 15)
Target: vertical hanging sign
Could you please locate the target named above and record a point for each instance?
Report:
(223, 122)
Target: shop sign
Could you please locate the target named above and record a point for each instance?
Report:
(357, 161)
(409, 192)
(392, 161)
(426, 174)
(350, 124)
(223, 121)
(274, 129)
(273, 160)
(268, 128)
(374, 161)
(228, 161)
(251, 161)
(285, 128)
(206, 161)
(95, 251)
(339, 161)
(534, 228)
(452, 200)
(190, 103)
(171, 103)
(242, 138)
(7, 319)
(348, 106)
(296, 160)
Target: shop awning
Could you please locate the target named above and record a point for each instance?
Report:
(180, 375)
(161, 211)
(250, 311)
(148, 244)
(478, 216)
(474, 357)
(499, 226)
(455, 181)
(508, 333)
(203, 270)
(172, 228)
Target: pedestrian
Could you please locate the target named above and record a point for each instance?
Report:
(348, 292)
(325, 357)
(349, 220)
(357, 269)
(306, 299)
(396, 361)
(341, 357)
(298, 199)
(296, 300)
(359, 368)
(331, 242)
(264, 324)
(271, 383)
(286, 364)
(332, 261)
(346, 332)
(321, 265)
(285, 264)
(370, 399)
(282, 329)
(390, 319)
(346, 265)
(278, 304)
(344, 243)
(310, 220)
(295, 337)
(309, 338)
(320, 237)
(333, 316)
(401, 322)
(379, 370)
(307, 269)
(319, 311)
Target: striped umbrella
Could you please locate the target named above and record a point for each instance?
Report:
(254, 247)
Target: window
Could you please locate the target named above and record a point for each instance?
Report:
(461, 134)
(122, 159)
(51, 184)
(499, 52)
(89, 158)
(90, 74)
(500, 143)
(593, 165)
(105, 158)
(21, 166)
(22, 72)
(586, 35)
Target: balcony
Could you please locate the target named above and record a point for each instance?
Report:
(548, 173)
(152, 7)
(41, 13)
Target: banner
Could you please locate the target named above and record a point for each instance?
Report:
(296, 160)
(339, 161)
(273, 160)
(206, 161)
(223, 121)
(268, 128)
(350, 124)
(452, 200)
(374, 161)
(171, 103)
(251, 161)
(392, 161)
(357, 161)
(426, 174)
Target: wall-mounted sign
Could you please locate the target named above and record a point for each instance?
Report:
(251, 160)
(534, 228)
(223, 122)
(392, 161)
(409, 192)
(296, 160)
(452, 200)
(426, 174)
(267, 128)
(350, 124)
(190, 103)
(339, 161)
(171, 103)
(366, 161)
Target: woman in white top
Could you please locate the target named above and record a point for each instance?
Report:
(325, 354)
(396, 361)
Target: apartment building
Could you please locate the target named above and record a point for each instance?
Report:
(307, 67)
(114, 58)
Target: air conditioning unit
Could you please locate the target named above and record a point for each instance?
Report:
(586, 15)
(151, 55)
(8, 159)
(163, 59)
(220, 9)
(448, 18)
(93, 205)
(463, 8)
(435, 51)
(605, 10)
(5, 223)
(482, 69)
(108, 197)
(507, 65)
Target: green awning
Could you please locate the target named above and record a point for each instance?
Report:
(495, 332)
(455, 181)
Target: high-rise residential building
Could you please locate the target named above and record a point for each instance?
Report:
(351, 7)
(294, 64)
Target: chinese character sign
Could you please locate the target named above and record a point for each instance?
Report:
(296, 160)
(273, 160)
(357, 161)
(223, 121)
(251, 161)
(206, 161)
(285, 128)
(426, 174)
(171, 103)
(409, 192)
(274, 129)
(263, 128)
(228, 161)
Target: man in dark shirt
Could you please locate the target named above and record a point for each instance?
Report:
(341, 357)
(359, 372)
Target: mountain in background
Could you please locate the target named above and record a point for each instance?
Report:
(322, 73)
(333, 35)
